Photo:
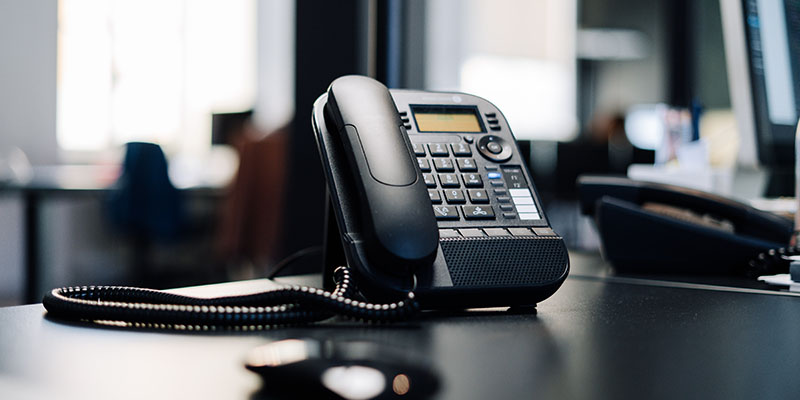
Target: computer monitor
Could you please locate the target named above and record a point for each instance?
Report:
(763, 59)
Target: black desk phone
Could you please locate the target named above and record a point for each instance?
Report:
(651, 227)
(431, 206)
(428, 191)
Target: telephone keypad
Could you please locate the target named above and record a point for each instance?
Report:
(443, 165)
(448, 166)
(449, 180)
(454, 196)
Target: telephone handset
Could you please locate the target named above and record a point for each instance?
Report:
(436, 213)
(652, 227)
(428, 191)
(399, 233)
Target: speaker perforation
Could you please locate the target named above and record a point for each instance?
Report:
(504, 261)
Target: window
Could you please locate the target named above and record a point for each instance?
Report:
(152, 70)
(518, 54)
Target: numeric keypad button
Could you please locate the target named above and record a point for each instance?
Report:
(461, 149)
(472, 180)
(478, 196)
(444, 165)
(466, 165)
(449, 180)
(436, 198)
(430, 181)
(424, 164)
(454, 196)
(419, 149)
(438, 149)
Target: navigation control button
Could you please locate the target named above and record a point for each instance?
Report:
(494, 148)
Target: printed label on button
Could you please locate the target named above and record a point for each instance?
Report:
(527, 209)
(519, 192)
(522, 200)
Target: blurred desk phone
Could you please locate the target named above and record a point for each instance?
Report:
(428, 192)
(651, 227)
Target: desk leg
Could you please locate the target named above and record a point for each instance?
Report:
(31, 247)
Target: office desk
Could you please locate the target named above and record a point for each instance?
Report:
(49, 182)
(597, 337)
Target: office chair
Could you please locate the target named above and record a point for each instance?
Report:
(144, 205)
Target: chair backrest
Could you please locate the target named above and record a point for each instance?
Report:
(143, 201)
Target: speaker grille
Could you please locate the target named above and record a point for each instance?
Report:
(504, 261)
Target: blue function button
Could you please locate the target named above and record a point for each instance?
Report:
(495, 175)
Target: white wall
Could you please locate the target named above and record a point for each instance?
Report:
(28, 32)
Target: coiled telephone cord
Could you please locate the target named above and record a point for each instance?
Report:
(147, 308)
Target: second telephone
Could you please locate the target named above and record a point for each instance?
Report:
(428, 192)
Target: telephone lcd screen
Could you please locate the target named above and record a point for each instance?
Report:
(447, 119)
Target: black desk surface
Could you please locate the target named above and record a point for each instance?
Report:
(597, 337)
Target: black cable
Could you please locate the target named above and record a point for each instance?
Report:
(280, 266)
(149, 308)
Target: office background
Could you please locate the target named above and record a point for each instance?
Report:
(79, 79)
